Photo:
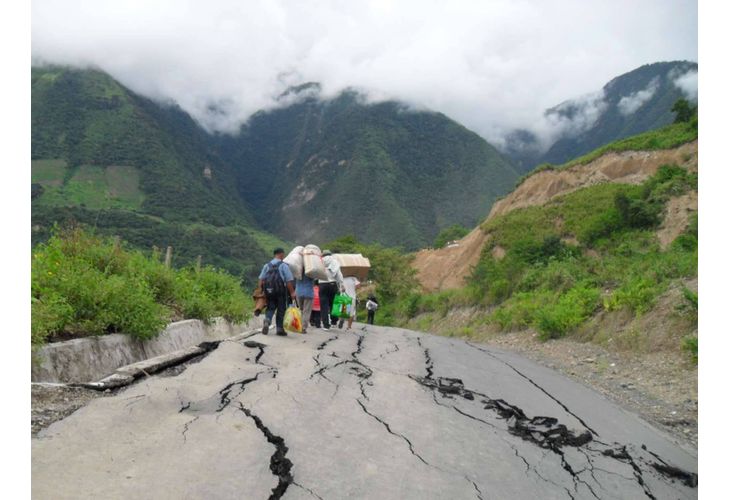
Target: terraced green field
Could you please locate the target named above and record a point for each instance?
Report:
(48, 172)
(89, 186)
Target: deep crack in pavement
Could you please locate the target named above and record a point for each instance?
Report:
(280, 465)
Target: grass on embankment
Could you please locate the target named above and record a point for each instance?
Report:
(83, 285)
(554, 267)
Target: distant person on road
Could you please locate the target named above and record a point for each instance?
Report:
(305, 297)
(277, 282)
(350, 285)
(315, 319)
(371, 305)
(329, 287)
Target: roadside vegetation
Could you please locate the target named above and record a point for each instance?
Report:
(83, 284)
(553, 267)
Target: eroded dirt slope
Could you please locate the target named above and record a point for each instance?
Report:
(444, 268)
(448, 267)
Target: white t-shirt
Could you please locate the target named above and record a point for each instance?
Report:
(350, 283)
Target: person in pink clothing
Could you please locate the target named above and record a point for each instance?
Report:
(315, 319)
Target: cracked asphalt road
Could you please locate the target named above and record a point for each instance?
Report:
(372, 413)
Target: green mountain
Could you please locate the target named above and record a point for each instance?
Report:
(319, 169)
(309, 171)
(630, 104)
(109, 158)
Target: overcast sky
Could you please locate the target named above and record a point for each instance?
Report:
(492, 64)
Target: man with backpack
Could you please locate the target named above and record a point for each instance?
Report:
(277, 281)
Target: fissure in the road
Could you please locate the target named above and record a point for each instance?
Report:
(548, 433)
(667, 470)
(560, 403)
(279, 464)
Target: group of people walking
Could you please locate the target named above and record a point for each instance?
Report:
(281, 288)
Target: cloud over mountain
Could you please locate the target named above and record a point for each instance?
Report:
(494, 66)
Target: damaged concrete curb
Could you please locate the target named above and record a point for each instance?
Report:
(92, 358)
(129, 373)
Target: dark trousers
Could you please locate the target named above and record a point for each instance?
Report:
(371, 317)
(315, 320)
(276, 303)
(327, 293)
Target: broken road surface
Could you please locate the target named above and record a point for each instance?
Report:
(370, 413)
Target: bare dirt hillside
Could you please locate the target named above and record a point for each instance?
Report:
(445, 268)
(628, 167)
(448, 267)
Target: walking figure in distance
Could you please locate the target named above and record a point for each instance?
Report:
(371, 305)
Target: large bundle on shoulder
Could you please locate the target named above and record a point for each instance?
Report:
(353, 264)
(295, 261)
(313, 265)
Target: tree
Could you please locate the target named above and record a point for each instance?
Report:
(684, 111)
(452, 233)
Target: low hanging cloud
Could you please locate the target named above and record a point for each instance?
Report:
(576, 116)
(687, 83)
(493, 66)
(629, 104)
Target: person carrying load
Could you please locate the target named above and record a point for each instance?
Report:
(277, 282)
(329, 287)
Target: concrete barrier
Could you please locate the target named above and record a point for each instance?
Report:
(93, 358)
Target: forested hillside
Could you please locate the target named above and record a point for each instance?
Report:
(122, 164)
(309, 171)
(318, 169)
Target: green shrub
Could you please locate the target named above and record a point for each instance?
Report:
(571, 309)
(451, 233)
(83, 284)
(411, 305)
(207, 293)
(637, 213)
(47, 316)
(637, 294)
(521, 309)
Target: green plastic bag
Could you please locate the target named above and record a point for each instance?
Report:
(339, 305)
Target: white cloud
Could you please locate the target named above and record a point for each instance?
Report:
(492, 65)
(576, 116)
(630, 103)
(687, 83)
